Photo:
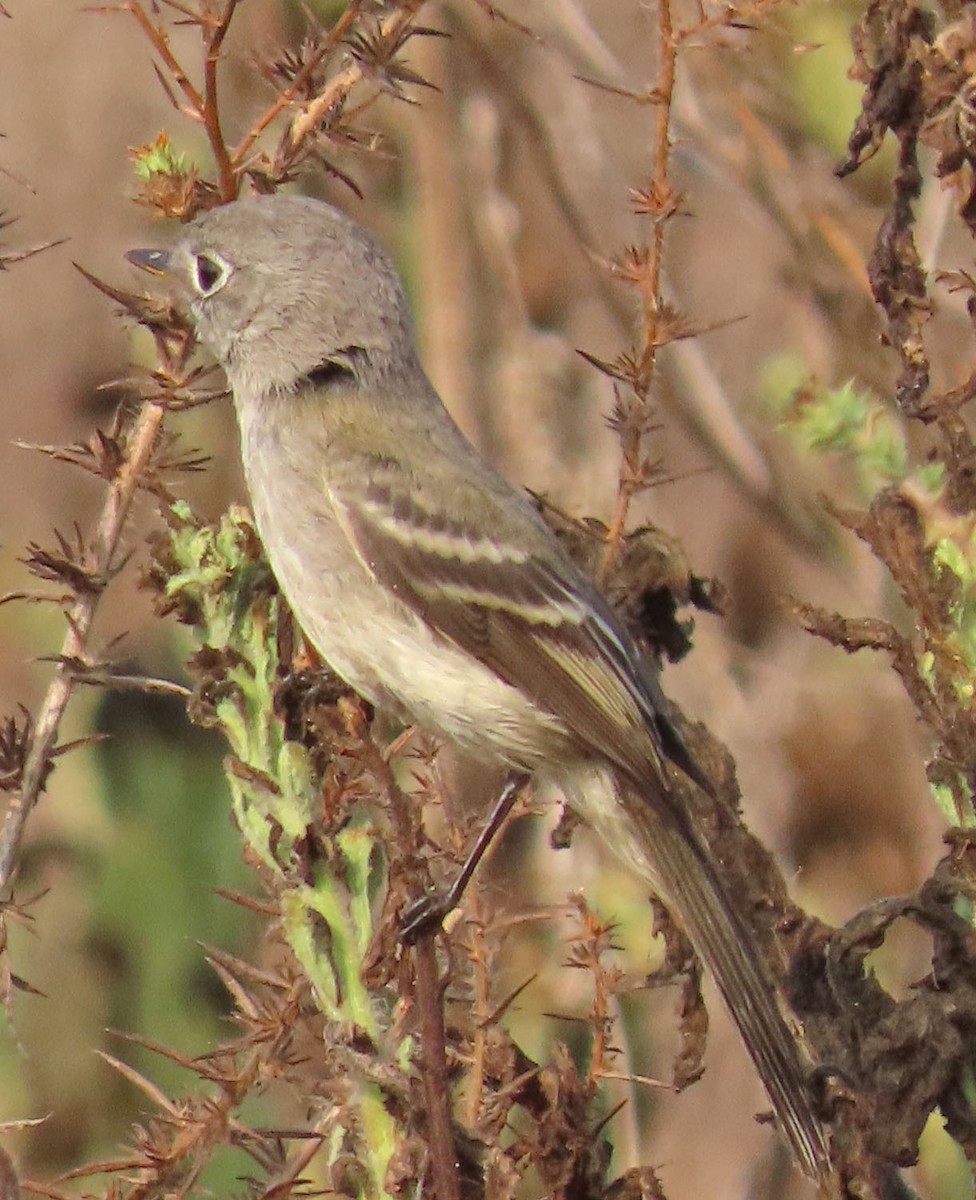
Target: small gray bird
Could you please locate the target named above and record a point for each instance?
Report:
(432, 587)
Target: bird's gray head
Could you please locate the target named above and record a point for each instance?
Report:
(281, 286)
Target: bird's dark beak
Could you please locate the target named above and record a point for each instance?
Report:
(156, 262)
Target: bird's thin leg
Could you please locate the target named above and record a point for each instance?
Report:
(426, 914)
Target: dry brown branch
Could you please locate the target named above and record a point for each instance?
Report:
(658, 203)
(104, 547)
(288, 94)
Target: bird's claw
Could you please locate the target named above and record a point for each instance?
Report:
(424, 916)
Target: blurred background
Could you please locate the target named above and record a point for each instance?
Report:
(502, 193)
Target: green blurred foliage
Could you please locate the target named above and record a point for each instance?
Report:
(123, 924)
(167, 801)
(826, 100)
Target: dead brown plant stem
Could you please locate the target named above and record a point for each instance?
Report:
(429, 1001)
(437, 1087)
(626, 486)
(108, 532)
(161, 44)
(211, 109)
(599, 1011)
(482, 1007)
(632, 430)
(339, 86)
(661, 158)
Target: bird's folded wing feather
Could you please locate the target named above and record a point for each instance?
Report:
(528, 616)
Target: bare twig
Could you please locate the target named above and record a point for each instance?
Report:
(8, 257)
(443, 1154)
(658, 202)
(429, 996)
(211, 109)
(105, 544)
(133, 683)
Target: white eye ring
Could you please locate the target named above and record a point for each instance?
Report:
(210, 272)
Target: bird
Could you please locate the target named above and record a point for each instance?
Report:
(432, 586)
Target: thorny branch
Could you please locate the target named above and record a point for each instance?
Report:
(79, 617)
(642, 268)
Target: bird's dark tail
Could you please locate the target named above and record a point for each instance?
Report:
(680, 869)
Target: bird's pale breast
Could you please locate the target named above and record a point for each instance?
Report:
(378, 645)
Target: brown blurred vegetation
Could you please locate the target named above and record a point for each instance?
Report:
(504, 193)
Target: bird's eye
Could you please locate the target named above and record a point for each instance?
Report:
(210, 273)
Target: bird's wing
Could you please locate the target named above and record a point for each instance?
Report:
(499, 591)
(529, 616)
